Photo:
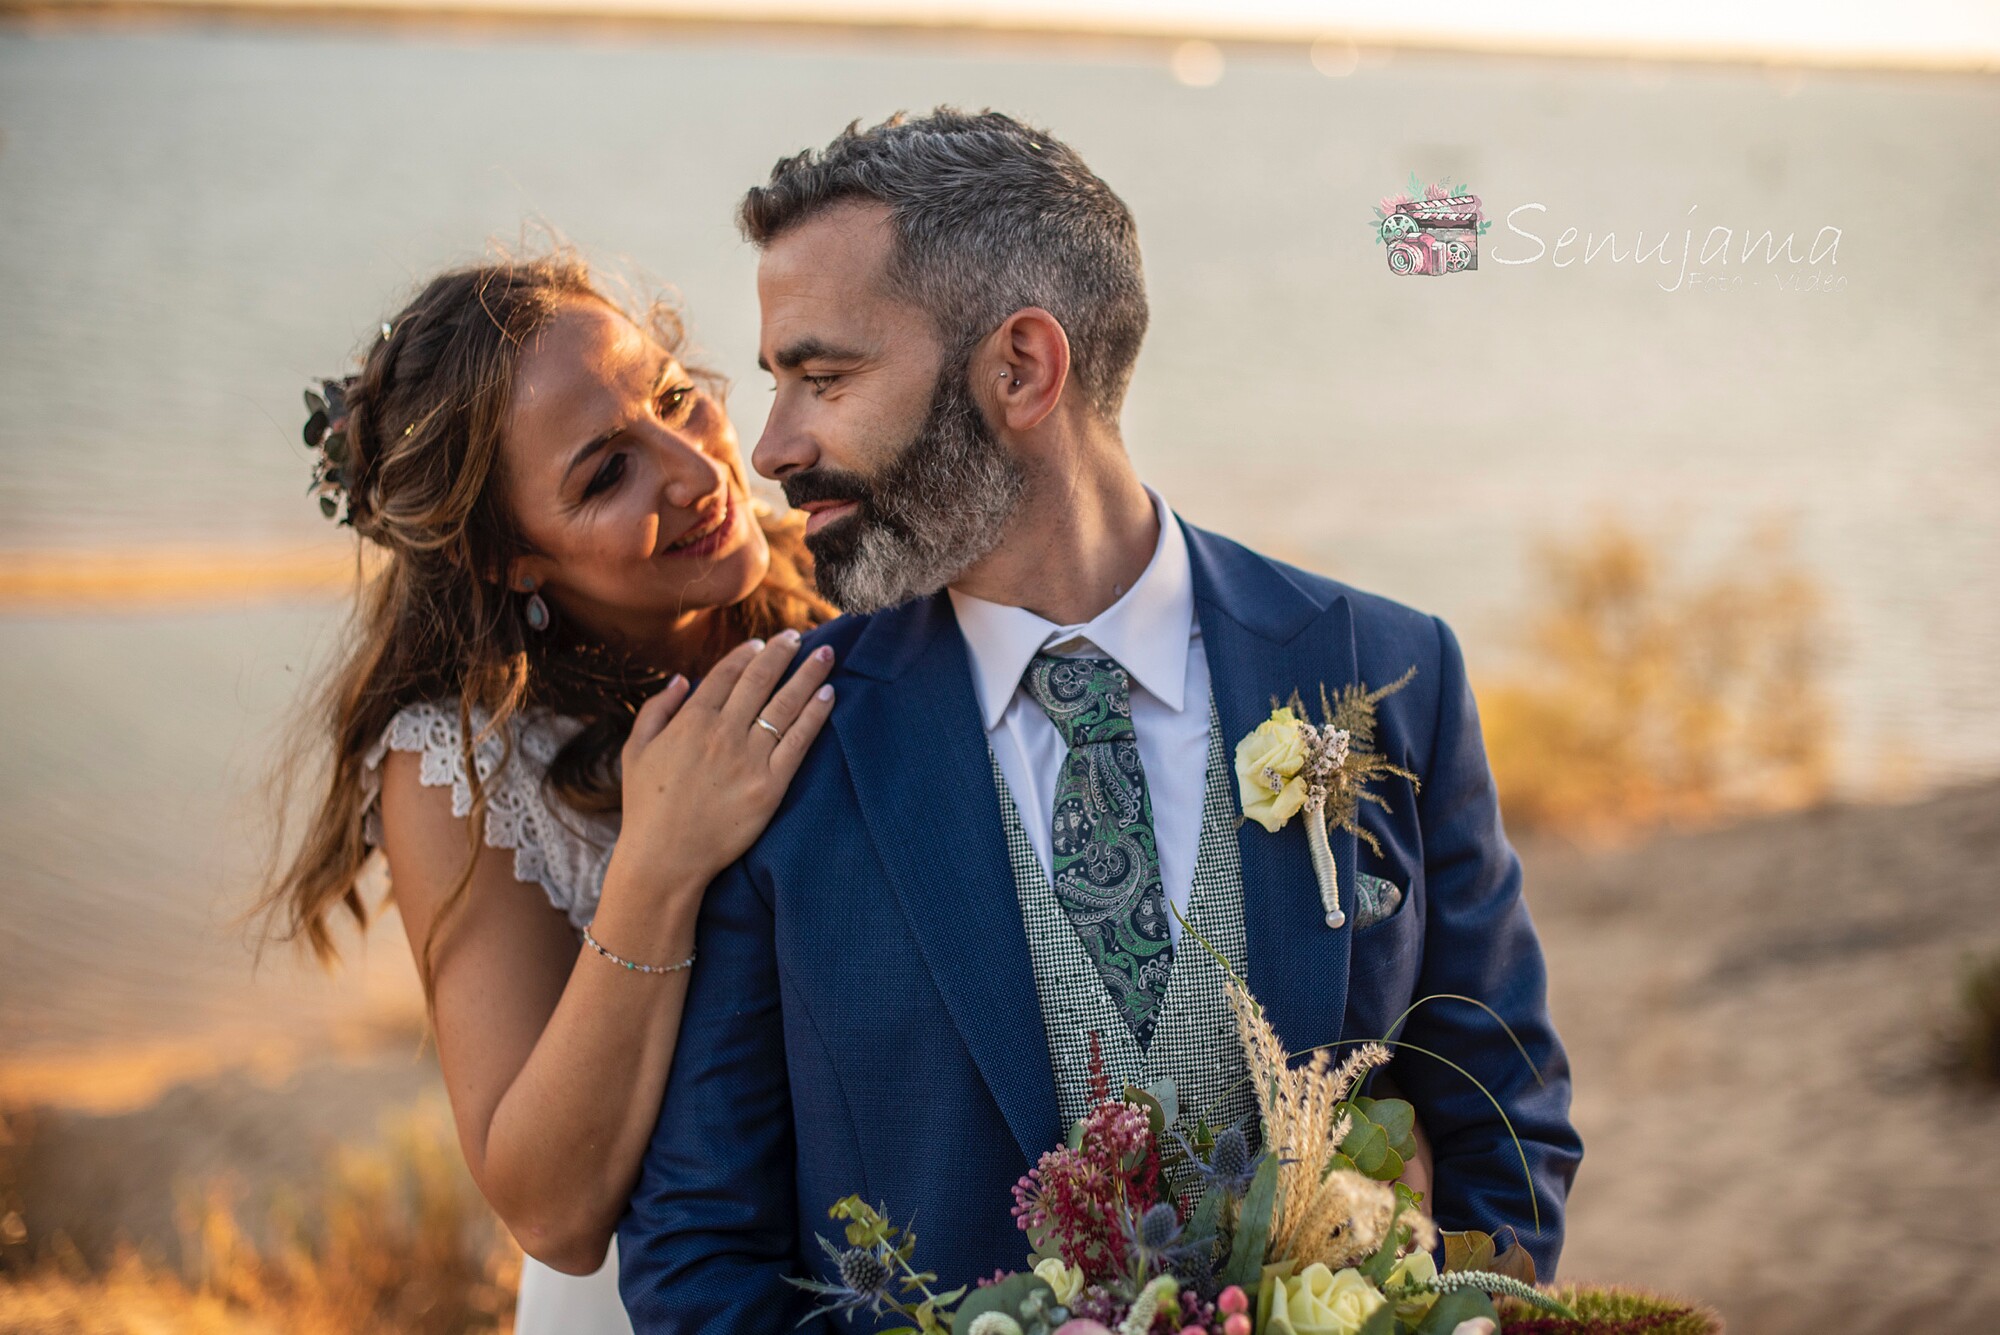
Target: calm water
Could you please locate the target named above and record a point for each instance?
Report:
(196, 223)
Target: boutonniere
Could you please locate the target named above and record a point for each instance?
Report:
(1290, 764)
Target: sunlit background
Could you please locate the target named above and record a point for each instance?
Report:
(1721, 538)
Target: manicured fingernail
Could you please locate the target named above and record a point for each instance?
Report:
(756, 644)
(824, 693)
(786, 636)
(676, 680)
(824, 653)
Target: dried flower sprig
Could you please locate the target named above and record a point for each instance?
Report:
(1290, 764)
(1325, 1213)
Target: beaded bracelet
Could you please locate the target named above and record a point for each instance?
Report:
(591, 941)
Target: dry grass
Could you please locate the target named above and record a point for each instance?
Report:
(1324, 1214)
(1973, 1043)
(1651, 699)
(396, 1240)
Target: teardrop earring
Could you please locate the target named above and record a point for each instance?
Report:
(535, 610)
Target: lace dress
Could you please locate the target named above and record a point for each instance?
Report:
(565, 853)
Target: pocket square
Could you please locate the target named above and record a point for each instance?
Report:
(1375, 899)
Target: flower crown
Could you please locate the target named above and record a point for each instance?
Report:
(337, 470)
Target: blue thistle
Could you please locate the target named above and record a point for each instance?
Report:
(1159, 1226)
(1161, 1237)
(1230, 1167)
(864, 1282)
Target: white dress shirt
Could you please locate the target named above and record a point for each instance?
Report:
(1151, 630)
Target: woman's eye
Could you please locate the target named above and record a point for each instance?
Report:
(606, 476)
(675, 400)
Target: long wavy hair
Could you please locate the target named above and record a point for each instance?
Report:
(435, 622)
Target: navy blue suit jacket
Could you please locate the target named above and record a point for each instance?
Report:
(863, 1018)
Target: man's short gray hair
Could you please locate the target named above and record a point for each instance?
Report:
(990, 215)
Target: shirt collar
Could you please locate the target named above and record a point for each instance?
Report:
(1147, 630)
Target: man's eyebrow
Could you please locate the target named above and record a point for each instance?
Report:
(797, 353)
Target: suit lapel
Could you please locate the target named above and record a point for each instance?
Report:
(910, 730)
(1254, 623)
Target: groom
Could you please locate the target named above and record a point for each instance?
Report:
(976, 886)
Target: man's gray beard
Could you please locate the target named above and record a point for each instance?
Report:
(939, 507)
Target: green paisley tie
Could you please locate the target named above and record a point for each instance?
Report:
(1105, 856)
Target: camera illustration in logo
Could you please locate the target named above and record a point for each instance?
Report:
(1432, 230)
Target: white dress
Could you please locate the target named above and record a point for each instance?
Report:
(564, 852)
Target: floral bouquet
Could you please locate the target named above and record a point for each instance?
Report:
(1309, 1233)
(1313, 1237)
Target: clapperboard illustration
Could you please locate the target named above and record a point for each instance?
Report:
(1433, 236)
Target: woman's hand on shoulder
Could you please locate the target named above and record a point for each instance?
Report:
(703, 771)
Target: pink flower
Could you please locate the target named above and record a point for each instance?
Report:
(1084, 1196)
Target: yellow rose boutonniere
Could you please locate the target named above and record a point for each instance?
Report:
(1268, 762)
(1289, 764)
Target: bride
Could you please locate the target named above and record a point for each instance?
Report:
(570, 544)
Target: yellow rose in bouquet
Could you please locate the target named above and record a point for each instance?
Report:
(1417, 1268)
(1065, 1280)
(1318, 1301)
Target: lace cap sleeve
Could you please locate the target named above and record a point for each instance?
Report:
(563, 851)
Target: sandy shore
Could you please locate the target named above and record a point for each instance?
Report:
(1752, 1017)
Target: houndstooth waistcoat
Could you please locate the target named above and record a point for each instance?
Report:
(1195, 1043)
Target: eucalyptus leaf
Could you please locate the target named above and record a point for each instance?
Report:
(1397, 1119)
(1452, 1308)
(1156, 1112)
(1368, 1146)
(1382, 1321)
(1005, 1297)
(1253, 1227)
(1169, 1098)
(1392, 1167)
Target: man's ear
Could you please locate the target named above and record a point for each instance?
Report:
(1021, 368)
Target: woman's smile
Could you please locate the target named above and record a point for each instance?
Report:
(709, 533)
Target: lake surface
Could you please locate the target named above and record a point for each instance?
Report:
(198, 222)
